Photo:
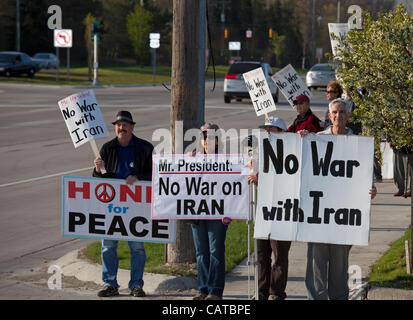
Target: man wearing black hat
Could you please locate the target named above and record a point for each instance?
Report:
(130, 158)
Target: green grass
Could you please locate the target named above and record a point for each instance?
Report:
(390, 270)
(236, 249)
(108, 75)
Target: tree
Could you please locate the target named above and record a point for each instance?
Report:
(277, 44)
(139, 25)
(379, 58)
(89, 46)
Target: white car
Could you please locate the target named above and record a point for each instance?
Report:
(234, 85)
(320, 75)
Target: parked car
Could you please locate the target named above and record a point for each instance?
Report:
(320, 75)
(46, 60)
(234, 85)
(16, 62)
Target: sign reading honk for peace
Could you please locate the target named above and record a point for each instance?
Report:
(83, 117)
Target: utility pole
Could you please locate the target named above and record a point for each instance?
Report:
(17, 25)
(313, 34)
(187, 98)
(338, 11)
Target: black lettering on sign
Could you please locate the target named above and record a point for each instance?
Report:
(276, 213)
(76, 219)
(117, 225)
(291, 162)
(93, 223)
(338, 168)
(189, 206)
(157, 226)
(133, 229)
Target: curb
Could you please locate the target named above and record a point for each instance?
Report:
(72, 265)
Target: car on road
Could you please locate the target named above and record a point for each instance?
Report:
(234, 85)
(12, 62)
(46, 60)
(320, 75)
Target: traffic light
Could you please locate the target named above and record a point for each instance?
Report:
(226, 33)
(270, 33)
(97, 29)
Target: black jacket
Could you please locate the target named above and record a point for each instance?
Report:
(142, 161)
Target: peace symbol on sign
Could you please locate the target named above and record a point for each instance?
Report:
(105, 192)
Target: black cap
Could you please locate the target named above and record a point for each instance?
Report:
(124, 116)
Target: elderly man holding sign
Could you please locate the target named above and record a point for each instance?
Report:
(327, 263)
(124, 157)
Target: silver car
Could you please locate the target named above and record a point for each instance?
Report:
(320, 75)
(46, 60)
(234, 85)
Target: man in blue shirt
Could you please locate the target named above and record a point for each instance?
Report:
(130, 158)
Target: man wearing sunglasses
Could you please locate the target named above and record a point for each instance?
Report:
(306, 119)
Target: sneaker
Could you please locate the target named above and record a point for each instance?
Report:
(213, 297)
(200, 296)
(138, 292)
(260, 297)
(108, 291)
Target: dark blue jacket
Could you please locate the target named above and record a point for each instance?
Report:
(142, 162)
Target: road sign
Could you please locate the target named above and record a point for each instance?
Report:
(63, 38)
(154, 40)
(153, 43)
(154, 36)
(234, 45)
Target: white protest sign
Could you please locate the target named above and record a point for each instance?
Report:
(111, 209)
(314, 189)
(83, 118)
(200, 187)
(340, 32)
(290, 84)
(259, 91)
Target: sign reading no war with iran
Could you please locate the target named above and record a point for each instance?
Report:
(259, 91)
(200, 187)
(290, 84)
(314, 189)
(111, 209)
(83, 118)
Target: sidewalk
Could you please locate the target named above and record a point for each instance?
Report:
(390, 218)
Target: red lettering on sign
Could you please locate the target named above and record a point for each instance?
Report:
(85, 189)
(148, 194)
(125, 190)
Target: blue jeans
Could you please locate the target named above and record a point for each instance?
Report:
(110, 263)
(209, 240)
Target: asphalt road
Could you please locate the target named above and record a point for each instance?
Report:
(36, 151)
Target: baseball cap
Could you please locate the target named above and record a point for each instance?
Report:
(124, 116)
(274, 122)
(301, 98)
